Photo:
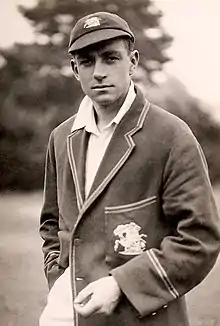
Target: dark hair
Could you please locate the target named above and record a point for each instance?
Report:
(128, 43)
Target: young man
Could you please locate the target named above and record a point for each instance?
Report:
(129, 221)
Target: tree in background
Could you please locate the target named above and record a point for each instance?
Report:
(38, 90)
(53, 20)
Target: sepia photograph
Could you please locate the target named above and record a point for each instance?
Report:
(109, 162)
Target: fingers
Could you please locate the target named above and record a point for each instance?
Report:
(84, 295)
(100, 296)
(85, 304)
(88, 308)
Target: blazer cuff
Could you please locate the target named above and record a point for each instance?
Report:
(144, 285)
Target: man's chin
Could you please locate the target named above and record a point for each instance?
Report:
(104, 100)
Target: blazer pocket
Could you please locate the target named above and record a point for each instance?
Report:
(127, 227)
(130, 207)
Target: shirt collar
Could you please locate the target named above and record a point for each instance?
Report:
(85, 116)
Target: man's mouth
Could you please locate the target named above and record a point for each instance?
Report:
(103, 86)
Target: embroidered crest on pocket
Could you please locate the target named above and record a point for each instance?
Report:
(130, 241)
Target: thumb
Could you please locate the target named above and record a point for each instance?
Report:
(84, 295)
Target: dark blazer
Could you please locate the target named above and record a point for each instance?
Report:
(150, 219)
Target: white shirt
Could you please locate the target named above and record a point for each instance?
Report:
(99, 139)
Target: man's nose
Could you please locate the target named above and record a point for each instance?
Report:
(99, 72)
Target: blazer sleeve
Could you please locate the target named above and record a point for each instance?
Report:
(49, 219)
(156, 277)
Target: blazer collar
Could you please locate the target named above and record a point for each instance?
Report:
(116, 155)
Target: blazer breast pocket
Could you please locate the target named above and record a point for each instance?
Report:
(129, 230)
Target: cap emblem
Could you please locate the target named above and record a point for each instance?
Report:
(92, 22)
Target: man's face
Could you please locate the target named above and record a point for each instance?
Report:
(104, 71)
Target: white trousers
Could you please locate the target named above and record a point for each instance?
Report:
(59, 308)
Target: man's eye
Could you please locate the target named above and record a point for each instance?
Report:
(86, 62)
(111, 59)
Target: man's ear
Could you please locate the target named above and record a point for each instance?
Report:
(134, 58)
(74, 69)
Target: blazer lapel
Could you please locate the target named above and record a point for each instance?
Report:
(119, 149)
(76, 146)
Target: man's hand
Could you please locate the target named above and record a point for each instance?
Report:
(98, 297)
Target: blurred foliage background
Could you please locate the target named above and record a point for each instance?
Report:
(38, 90)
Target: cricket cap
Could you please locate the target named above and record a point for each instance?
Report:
(97, 27)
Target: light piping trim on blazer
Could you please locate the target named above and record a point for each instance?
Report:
(131, 144)
(74, 173)
(96, 193)
(130, 207)
(162, 273)
(73, 283)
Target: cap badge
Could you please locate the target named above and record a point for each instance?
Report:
(92, 22)
(130, 241)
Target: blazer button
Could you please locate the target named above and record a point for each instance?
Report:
(79, 279)
(164, 307)
(77, 241)
(154, 313)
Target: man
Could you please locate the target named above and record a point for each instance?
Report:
(129, 221)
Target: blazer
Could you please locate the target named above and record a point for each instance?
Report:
(150, 219)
